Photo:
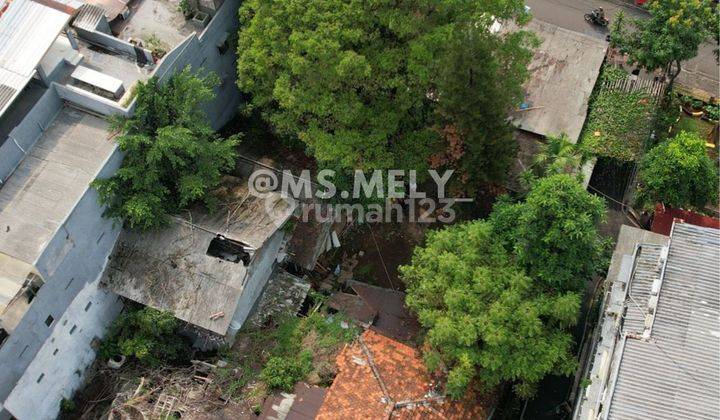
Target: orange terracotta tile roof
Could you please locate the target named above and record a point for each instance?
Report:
(380, 378)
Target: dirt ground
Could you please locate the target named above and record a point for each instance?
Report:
(384, 247)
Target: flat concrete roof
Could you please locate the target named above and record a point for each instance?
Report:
(117, 66)
(158, 18)
(563, 72)
(44, 189)
(169, 269)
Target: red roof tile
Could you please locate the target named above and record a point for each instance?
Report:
(402, 389)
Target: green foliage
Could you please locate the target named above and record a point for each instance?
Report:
(618, 124)
(298, 347)
(146, 334)
(481, 119)
(172, 156)
(67, 406)
(282, 373)
(369, 86)
(184, 7)
(679, 173)
(155, 45)
(668, 116)
(553, 232)
(485, 319)
(692, 102)
(558, 155)
(610, 73)
(672, 34)
(712, 111)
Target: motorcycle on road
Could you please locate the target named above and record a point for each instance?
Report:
(597, 17)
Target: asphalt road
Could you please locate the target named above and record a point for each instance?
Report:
(701, 72)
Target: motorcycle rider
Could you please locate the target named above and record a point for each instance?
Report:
(599, 14)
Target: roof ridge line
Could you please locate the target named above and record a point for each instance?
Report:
(376, 372)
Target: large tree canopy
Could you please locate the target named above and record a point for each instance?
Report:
(371, 85)
(671, 35)
(497, 297)
(485, 319)
(553, 232)
(679, 173)
(172, 156)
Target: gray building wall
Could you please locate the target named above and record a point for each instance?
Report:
(90, 101)
(60, 365)
(24, 135)
(201, 52)
(111, 43)
(257, 279)
(74, 258)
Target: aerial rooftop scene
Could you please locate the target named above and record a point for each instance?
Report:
(342, 209)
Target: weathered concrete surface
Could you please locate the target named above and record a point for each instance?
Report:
(563, 72)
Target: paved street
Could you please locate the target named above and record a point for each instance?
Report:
(700, 72)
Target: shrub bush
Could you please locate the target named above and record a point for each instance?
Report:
(283, 372)
(147, 335)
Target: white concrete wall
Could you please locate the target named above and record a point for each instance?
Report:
(260, 271)
(59, 51)
(201, 54)
(23, 137)
(90, 101)
(59, 367)
(75, 257)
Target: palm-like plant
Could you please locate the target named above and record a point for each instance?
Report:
(558, 155)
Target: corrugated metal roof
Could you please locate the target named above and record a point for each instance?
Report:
(675, 374)
(563, 72)
(647, 270)
(111, 8)
(27, 30)
(88, 17)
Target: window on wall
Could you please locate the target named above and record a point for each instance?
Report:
(49, 320)
(72, 330)
(87, 307)
(32, 285)
(40, 378)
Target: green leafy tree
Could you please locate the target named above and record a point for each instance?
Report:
(369, 86)
(558, 155)
(672, 34)
(679, 173)
(553, 232)
(486, 321)
(147, 335)
(172, 156)
(467, 63)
